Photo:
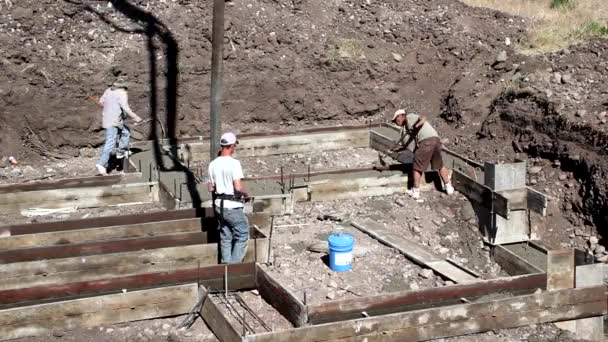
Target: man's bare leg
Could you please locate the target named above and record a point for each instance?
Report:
(443, 172)
(417, 176)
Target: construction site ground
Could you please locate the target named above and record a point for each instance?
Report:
(295, 64)
(301, 163)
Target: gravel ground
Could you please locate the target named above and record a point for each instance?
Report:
(299, 162)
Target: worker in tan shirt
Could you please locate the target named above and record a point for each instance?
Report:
(428, 149)
(115, 103)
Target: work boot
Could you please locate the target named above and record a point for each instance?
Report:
(449, 189)
(101, 170)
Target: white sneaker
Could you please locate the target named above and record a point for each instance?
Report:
(449, 189)
(414, 193)
(101, 170)
(121, 154)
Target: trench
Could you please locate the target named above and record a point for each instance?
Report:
(538, 130)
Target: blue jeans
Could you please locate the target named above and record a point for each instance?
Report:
(122, 134)
(234, 233)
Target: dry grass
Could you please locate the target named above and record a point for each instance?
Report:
(555, 24)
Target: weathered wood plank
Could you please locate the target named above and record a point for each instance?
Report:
(590, 329)
(106, 221)
(280, 298)
(65, 183)
(101, 233)
(537, 201)
(561, 275)
(513, 264)
(451, 271)
(95, 311)
(333, 189)
(95, 267)
(560, 269)
(480, 324)
(480, 193)
(415, 252)
(206, 216)
(74, 194)
(449, 321)
(412, 250)
(215, 319)
(422, 299)
(82, 198)
(241, 277)
(101, 247)
(294, 143)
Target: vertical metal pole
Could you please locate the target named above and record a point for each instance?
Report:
(217, 46)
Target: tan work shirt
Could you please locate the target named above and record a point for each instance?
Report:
(115, 104)
(425, 132)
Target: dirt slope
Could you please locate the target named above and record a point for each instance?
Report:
(285, 61)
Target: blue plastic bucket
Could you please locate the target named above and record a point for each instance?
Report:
(341, 251)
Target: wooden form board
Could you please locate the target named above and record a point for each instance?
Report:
(94, 311)
(281, 298)
(140, 230)
(206, 215)
(100, 247)
(403, 301)
(416, 253)
(512, 263)
(82, 182)
(101, 266)
(284, 144)
(240, 276)
(353, 187)
(215, 319)
(480, 194)
(454, 320)
(80, 197)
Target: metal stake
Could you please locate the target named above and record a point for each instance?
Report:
(226, 282)
(270, 239)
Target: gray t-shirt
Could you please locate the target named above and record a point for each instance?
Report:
(425, 132)
(115, 104)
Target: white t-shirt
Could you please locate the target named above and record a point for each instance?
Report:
(223, 171)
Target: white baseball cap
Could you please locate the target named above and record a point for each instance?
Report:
(228, 139)
(397, 113)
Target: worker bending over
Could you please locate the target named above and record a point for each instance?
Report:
(225, 183)
(116, 108)
(427, 151)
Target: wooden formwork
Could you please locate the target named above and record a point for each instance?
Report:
(83, 192)
(139, 268)
(43, 254)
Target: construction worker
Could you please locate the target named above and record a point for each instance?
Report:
(225, 183)
(116, 108)
(427, 151)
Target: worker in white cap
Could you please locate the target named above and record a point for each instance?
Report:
(225, 183)
(427, 151)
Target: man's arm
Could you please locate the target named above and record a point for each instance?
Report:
(210, 184)
(421, 120)
(237, 182)
(124, 104)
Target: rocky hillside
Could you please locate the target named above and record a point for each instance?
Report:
(285, 62)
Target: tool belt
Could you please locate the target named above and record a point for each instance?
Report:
(238, 197)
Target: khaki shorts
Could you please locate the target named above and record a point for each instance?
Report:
(428, 151)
